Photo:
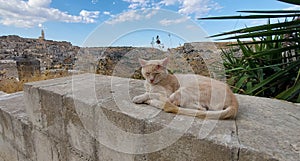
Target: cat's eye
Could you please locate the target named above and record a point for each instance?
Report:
(147, 74)
(157, 73)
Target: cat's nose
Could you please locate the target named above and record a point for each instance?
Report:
(151, 80)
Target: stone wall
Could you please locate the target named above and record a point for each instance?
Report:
(91, 117)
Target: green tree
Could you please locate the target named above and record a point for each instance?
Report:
(270, 59)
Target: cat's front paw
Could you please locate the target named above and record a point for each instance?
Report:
(176, 102)
(171, 108)
(138, 99)
(174, 99)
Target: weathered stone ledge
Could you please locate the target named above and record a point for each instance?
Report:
(91, 117)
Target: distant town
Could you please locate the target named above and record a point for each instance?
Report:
(51, 54)
(22, 57)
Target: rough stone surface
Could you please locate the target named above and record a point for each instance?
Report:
(199, 58)
(91, 117)
(16, 139)
(271, 129)
(2, 93)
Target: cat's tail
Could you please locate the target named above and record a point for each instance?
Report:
(228, 113)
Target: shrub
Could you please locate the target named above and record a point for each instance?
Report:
(269, 64)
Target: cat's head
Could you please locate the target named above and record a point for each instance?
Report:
(154, 70)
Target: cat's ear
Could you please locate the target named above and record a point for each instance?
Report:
(142, 62)
(165, 61)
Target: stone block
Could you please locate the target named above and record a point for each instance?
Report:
(6, 123)
(267, 128)
(33, 98)
(1, 129)
(101, 123)
(7, 151)
(22, 157)
(33, 105)
(11, 107)
(47, 148)
(80, 139)
(23, 138)
(44, 104)
(20, 129)
(106, 154)
(52, 112)
(75, 155)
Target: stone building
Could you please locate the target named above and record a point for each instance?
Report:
(28, 67)
(42, 37)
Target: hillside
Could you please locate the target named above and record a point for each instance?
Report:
(49, 53)
(120, 61)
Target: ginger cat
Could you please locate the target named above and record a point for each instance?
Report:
(186, 94)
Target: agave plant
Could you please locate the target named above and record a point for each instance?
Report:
(270, 60)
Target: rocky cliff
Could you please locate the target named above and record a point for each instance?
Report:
(120, 61)
(123, 61)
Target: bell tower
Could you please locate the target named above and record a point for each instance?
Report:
(42, 37)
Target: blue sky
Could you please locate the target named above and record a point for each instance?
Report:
(125, 22)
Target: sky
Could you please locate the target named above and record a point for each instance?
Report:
(126, 22)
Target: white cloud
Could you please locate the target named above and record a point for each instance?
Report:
(168, 22)
(186, 7)
(197, 7)
(168, 2)
(106, 13)
(132, 15)
(149, 14)
(134, 4)
(89, 16)
(39, 3)
(93, 14)
(30, 13)
(126, 16)
(94, 1)
(189, 8)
